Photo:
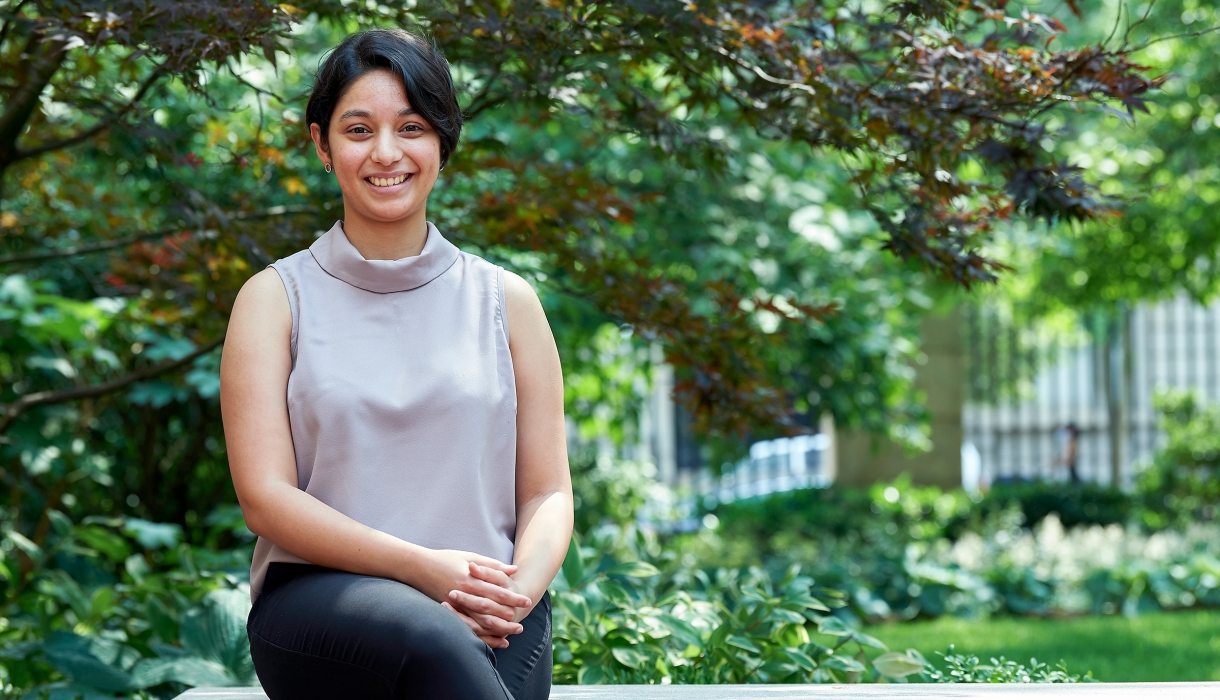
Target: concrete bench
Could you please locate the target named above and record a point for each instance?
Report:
(1081, 691)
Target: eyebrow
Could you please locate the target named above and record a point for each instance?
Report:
(365, 114)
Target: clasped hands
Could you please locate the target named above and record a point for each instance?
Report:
(481, 591)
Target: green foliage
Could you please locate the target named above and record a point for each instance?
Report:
(903, 552)
(961, 668)
(114, 605)
(1164, 165)
(634, 187)
(1183, 482)
(629, 623)
(725, 211)
(634, 622)
(609, 494)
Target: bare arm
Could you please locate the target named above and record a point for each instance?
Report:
(544, 484)
(253, 398)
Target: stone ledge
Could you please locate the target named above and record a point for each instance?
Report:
(1108, 691)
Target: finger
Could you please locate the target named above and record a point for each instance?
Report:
(490, 575)
(495, 593)
(491, 640)
(496, 626)
(478, 604)
(495, 642)
(474, 626)
(490, 563)
(490, 624)
(477, 608)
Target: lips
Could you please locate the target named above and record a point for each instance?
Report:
(389, 181)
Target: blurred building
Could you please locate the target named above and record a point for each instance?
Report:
(1022, 389)
(1004, 400)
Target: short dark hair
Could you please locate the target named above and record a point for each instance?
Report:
(416, 61)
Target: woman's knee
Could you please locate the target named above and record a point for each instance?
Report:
(439, 636)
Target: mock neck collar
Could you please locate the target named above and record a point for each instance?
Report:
(340, 259)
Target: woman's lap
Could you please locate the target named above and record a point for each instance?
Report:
(321, 633)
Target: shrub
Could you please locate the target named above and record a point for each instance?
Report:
(115, 605)
(1182, 484)
(961, 668)
(629, 623)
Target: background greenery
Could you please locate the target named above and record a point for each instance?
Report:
(778, 250)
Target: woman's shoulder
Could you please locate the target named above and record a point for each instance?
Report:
(265, 290)
(518, 292)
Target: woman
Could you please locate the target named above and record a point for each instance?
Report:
(393, 409)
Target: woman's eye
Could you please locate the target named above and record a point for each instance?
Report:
(359, 130)
(412, 128)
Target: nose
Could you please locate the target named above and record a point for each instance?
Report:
(386, 151)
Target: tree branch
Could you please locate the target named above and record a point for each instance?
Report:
(483, 101)
(14, 15)
(10, 413)
(21, 104)
(136, 238)
(102, 125)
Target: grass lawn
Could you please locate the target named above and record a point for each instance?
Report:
(1175, 646)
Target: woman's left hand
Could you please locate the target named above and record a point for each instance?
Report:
(476, 608)
(491, 639)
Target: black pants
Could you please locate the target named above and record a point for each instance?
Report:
(327, 634)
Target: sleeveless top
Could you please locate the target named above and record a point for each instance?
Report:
(401, 399)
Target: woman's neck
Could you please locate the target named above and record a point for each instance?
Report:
(387, 240)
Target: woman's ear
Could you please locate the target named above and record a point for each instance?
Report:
(319, 143)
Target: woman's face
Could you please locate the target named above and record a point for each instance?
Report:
(385, 156)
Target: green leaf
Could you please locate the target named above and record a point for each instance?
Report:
(843, 663)
(101, 602)
(577, 607)
(21, 650)
(115, 548)
(71, 691)
(897, 665)
(26, 545)
(162, 622)
(190, 670)
(573, 567)
(64, 587)
(137, 567)
(629, 657)
(153, 535)
(615, 592)
(60, 522)
(682, 630)
(96, 663)
(834, 626)
(591, 675)
(215, 630)
(776, 670)
(784, 615)
(634, 569)
(865, 640)
(742, 643)
(801, 659)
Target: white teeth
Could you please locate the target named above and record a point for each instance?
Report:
(386, 182)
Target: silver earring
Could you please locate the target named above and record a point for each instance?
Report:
(326, 167)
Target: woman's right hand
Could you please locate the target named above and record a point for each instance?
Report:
(449, 570)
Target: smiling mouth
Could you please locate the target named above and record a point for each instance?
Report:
(386, 181)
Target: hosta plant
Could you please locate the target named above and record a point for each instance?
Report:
(619, 622)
